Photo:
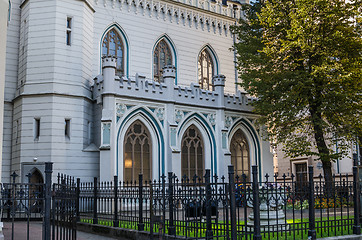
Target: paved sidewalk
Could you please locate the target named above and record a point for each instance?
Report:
(35, 230)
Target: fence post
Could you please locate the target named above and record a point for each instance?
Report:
(115, 217)
(141, 225)
(47, 199)
(312, 234)
(356, 194)
(171, 226)
(77, 201)
(209, 234)
(95, 196)
(232, 201)
(257, 230)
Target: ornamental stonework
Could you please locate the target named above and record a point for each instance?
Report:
(228, 121)
(179, 115)
(121, 108)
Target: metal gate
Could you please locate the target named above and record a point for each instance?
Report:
(64, 219)
(46, 208)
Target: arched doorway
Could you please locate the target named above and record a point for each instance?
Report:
(36, 191)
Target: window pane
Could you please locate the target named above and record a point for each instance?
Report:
(161, 57)
(112, 45)
(240, 154)
(206, 70)
(192, 155)
(137, 154)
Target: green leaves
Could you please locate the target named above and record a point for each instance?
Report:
(302, 59)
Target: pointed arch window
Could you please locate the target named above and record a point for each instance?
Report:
(205, 70)
(192, 157)
(137, 153)
(161, 57)
(112, 45)
(240, 154)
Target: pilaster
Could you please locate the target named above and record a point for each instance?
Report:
(108, 128)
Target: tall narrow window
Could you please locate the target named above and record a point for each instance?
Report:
(161, 57)
(36, 128)
(192, 157)
(69, 31)
(17, 131)
(67, 128)
(137, 153)
(89, 132)
(112, 45)
(206, 70)
(240, 154)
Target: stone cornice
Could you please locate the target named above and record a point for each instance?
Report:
(85, 1)
(198, 13)
(23, 95)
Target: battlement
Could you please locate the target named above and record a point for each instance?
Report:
(138, 87)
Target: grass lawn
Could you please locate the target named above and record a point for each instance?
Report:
(294, 229)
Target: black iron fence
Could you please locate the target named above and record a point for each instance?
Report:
(228, 207)
(207, 207)
(52, 204)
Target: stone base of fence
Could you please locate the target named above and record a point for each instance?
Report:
(121, 233)
(348, 237)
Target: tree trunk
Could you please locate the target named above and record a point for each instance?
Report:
(315, 103)
(323, 150)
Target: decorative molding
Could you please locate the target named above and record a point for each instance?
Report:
(121, 108)
(228, 121)
(160, 113)
(207, 14)
(212, 118)
(179, 115)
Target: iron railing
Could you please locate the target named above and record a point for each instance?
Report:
(229, 207)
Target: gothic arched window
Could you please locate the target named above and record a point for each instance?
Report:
(240, 154)
(112, 45)
(137, 153)
(206, 70)
(192, 155)
(161, 57)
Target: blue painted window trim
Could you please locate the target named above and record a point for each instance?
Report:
(255, 139)
(156, 127)
(173, 49)
(214, 56)
(211, 139)
(126, 61)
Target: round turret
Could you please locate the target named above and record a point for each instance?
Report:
(219, 80)
(109, 61)
(169, 71)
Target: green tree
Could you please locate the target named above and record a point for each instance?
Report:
(302, 60)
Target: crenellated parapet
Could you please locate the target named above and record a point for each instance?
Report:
(139, 87)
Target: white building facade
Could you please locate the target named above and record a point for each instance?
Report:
(103, 88)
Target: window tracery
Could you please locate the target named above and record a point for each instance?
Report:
(112, 45)
(192, 153)
(205, 70)
(137, 153)
(161, 57)
(240, 154)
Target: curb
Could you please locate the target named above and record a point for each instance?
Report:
(346, 237)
